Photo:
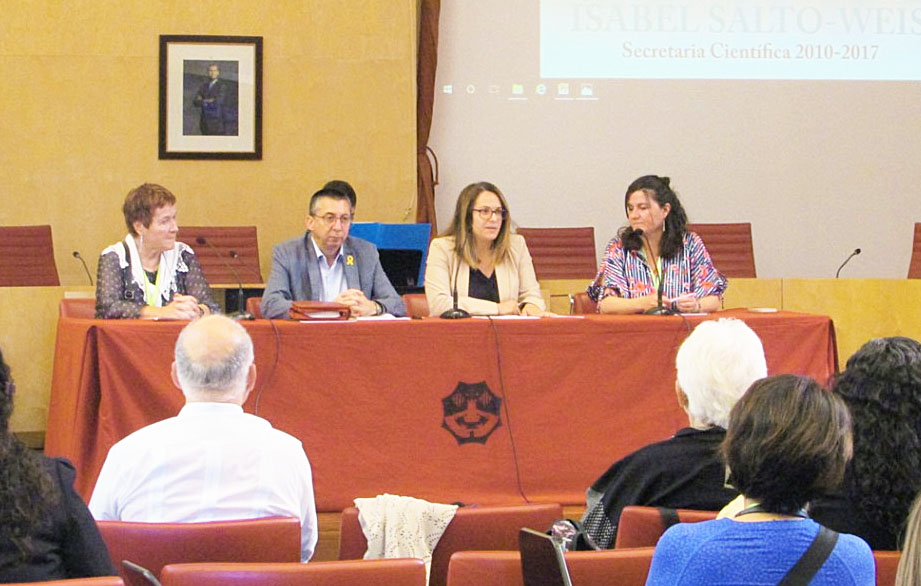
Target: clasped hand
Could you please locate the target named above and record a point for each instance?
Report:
(510, 307)
(687, 303)
(185, 307)
(182, 307)
(357, 302)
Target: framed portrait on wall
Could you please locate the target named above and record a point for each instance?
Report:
(210, 97)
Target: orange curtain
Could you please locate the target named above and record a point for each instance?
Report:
(425, 98)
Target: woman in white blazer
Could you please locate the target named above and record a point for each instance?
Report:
(490, 266)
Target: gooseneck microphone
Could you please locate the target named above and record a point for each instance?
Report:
(79, 257)
(847, 260)
(455, 312)
(660, 308)
(241, 313)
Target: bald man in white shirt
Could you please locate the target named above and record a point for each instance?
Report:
(212, 461)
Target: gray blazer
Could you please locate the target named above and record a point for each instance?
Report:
(295, 276)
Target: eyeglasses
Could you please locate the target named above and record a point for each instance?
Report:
(487, 213)
(330, 219)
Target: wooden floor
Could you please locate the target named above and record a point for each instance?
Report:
(328, 525)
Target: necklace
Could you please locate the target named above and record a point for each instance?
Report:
(757, 508)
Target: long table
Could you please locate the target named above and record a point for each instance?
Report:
(396, 406)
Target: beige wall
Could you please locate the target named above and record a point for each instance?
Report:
(80, 119)
(819, 168)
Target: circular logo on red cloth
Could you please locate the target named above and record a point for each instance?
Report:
(471, 412)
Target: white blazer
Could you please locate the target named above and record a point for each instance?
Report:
(514, 276)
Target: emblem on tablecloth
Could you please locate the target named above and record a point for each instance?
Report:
(471, 412)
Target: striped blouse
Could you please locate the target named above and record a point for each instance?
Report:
(626, 274)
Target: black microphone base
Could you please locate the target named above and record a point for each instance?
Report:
(454, 313)
(241, 316)
(660, 310)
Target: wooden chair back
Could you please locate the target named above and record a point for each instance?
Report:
(81, 307)
(730, 247)
(610, 567)
(562, 253)
(395, 572)
(473, 528)
(914, 267)
(221, 250)
(416, 304)
(27, 257)
(254, 306)
(643, 526)
(582, 303)
(887, 564)
(155, 545)
(97, 581)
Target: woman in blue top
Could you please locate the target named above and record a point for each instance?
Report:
(788, 441)
(656, 246)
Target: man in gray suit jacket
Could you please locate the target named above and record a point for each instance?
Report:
(326, 264)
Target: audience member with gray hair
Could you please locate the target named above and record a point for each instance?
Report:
(715, 365)
(212, 461)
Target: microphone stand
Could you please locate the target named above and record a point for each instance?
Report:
(847, 260)
(78, 256)
(660, 308)
(455, 312)
(241, 314)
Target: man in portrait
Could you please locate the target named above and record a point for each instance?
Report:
(214, 102)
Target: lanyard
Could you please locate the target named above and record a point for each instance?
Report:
(152, 290)
(656, 274)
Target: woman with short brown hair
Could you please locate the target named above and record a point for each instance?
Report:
(150, 274)
(788, 441)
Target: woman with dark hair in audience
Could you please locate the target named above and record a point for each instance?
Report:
(150, 274)
(46, 531)
(788, 441)
(882, 387)
(656, 246)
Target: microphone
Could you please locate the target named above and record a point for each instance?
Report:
(852, 255)
(241, 313)
(455, 312)
(660, 308)
(85, 268)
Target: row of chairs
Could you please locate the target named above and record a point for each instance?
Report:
(277, 540)
(269, 548)
(615, 567)
(395, 572)
(227, 253)
(623, 567)
(27, 254)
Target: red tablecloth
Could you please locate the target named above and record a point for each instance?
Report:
(368, 399)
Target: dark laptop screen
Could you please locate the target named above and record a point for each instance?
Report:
(402, 268)
(542, 561)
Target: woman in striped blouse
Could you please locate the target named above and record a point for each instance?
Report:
(656, 246)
